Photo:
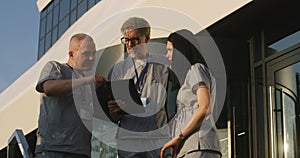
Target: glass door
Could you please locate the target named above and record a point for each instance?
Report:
(283, 81)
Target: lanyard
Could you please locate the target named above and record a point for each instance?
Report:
(142, 75)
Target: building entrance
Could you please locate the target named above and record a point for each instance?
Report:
(284, 108)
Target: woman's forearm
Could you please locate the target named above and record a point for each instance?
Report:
(203, 97)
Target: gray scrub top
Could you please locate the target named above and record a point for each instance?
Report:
(59, 126)
(205, 137)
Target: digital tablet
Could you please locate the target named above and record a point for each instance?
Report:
(124, 90)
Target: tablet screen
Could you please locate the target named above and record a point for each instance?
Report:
(124, 90)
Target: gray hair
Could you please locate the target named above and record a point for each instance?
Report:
(136, 23)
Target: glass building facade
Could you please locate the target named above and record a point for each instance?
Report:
(57, 17)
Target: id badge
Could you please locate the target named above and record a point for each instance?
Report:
(145, 101)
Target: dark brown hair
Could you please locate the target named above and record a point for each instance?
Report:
(186, 43)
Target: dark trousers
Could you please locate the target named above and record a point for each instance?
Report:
(147, 154)
(53, 154)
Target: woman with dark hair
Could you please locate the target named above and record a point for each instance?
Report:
(194, 128)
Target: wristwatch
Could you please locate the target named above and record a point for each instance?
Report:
(181, 135)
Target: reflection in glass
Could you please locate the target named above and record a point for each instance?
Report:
(278, 115)
(283, 43)
(286, 84)
(289, 122)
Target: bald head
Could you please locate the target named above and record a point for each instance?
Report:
(77, 39)
(81, 52)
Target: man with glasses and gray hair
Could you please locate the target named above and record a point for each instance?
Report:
(141, 135)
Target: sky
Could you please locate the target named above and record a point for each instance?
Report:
(19, 30)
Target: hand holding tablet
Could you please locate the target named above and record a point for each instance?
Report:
(122, 91)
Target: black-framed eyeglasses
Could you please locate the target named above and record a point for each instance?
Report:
(135, 40)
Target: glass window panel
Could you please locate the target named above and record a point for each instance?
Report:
(286, 97)
(283, 43)
(82, 8)
(54, 35)
(278, 100)
(287, 77)
(91, 3)
(63, 25)
(73, 17)
(42, 28)
(50, 7)
(49, 21)
(73, 4)
(56, 2)
(55, 15)
(43, 14)
(289, 118)
(48, 41)
(64, 8)
(41, 48)
(278, 114)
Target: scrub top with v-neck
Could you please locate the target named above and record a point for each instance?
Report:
(205, 138)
